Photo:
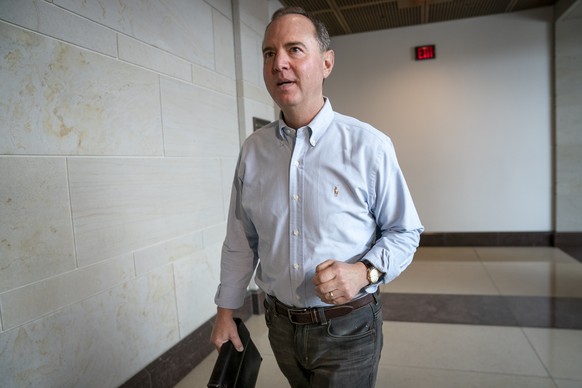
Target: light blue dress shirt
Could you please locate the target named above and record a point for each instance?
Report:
(301, 198)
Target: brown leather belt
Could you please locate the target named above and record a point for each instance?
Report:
(313, 315)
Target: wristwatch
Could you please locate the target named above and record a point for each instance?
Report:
(373, 273)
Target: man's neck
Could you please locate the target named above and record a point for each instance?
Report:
(296, 117)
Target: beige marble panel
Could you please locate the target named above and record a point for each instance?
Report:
(180, 27)
(59, 99)
(197, 278)
(254, 108)
(35, 300)
(223, 45)
(255, 92)
(224, 6)
(100, 342)
(251, 55)
(120, 205)
(136, 52)
(167, 252)
(47, 19)
(228, 166)
(209, 79)
(198, 122)
(254, 13)
(214, 235)
(36, 235)
(254, 101)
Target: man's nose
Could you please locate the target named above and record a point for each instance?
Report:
(280, 62)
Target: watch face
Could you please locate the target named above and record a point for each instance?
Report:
(374, 275)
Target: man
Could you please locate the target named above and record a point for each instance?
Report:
(319, 203)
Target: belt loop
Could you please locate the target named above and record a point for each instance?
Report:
(272, 303)
(321, 313)
(376, 296)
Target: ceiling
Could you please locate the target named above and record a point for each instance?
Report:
(352, 16)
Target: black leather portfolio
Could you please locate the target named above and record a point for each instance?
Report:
(237, 369)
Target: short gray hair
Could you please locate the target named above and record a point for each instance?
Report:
(321, 33)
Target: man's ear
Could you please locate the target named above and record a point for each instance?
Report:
(328, 60)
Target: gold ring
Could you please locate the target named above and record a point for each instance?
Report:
(331, 294)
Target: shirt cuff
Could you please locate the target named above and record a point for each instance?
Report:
(372, 288)
(229, 297)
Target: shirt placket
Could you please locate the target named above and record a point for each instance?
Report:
(296, 179)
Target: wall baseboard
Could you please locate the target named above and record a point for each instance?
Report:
(569, 242)
(172, 366)
(451, 239)
(568, 239)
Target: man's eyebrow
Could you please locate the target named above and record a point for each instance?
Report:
(291, 44)
(286, 45)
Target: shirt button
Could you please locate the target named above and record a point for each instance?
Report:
(296, 197)
(296, 232)
(296, 266)
(296, 163)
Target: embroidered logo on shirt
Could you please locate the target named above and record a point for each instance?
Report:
(335, 191)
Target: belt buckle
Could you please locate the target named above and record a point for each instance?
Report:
(293, 311)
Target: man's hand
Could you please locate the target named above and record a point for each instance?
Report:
(225, 330)
(337, 282)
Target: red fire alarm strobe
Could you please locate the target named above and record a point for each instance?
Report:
(422, 53)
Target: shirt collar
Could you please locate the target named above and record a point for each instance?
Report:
(317, 126)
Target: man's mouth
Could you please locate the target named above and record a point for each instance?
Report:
(284, 82)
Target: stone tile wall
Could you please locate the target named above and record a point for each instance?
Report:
(119, 131)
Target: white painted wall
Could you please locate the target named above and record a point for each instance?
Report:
(472, 128)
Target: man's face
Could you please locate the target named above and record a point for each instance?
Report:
(293, 65)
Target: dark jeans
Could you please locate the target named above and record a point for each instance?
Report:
(344, 352)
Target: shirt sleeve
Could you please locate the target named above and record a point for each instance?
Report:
(396, 217)
(239, 251)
